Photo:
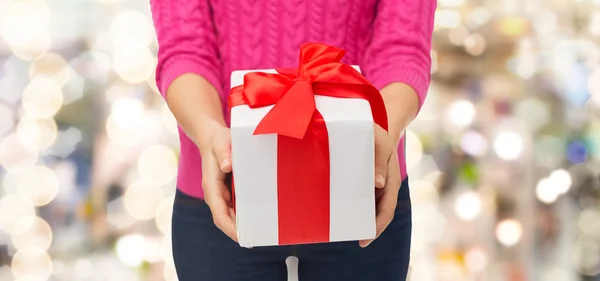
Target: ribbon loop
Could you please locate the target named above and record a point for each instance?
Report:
(292, 91)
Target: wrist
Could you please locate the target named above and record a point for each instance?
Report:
(205, 131)
(402, 104)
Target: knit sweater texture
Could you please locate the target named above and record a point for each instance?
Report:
(389, 39)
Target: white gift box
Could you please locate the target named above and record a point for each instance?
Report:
(351, 151)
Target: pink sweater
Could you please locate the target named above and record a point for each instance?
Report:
(389, 39)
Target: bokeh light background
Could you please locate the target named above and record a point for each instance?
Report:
(504, 158)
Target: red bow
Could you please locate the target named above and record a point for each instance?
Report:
(292, 91)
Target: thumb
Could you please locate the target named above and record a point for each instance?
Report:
(222, 151)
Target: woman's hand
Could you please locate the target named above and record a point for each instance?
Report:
(216, 163)
(198, 110)
(387, 180)
(402, 104)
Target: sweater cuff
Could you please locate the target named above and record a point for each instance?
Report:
(182, 65)
(410, 76)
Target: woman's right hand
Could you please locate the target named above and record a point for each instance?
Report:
(216, 163)
(196, 105)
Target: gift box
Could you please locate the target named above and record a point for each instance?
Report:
(302, 143)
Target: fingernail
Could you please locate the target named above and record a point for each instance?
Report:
(224, 163)
(380, 179)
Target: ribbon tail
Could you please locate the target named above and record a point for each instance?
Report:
(292, 114)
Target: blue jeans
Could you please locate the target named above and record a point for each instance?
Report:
(203, 253)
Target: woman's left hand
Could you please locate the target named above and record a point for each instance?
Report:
(387, 180)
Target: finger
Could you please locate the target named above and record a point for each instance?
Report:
(387, 203)
(382, 155)
(222, 152)
(385, 214)
(223, 215)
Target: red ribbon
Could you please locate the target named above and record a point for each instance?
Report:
(303, 143)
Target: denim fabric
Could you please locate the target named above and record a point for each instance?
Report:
(203, 253)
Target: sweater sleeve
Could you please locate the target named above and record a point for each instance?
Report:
(187, 41)
(400, 48)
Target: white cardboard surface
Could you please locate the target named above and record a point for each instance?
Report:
(254, 159)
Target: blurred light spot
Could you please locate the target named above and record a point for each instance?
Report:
(414, 149)
(508, 145)
(451, 3)
(36, 240)
(6, 119)
(83, 268)
(533, 112)
(14, 155)
(51, 66)
(167, 250)
(451, 269)
(467, 206)
(128, 113)
(513, 26)
(169, 272)
(154, 250)
(445, 18)
(157, 165)
(475, 44)
(24, 265)
(169, 120)
(576, 152)
(594, 24)
(42, 98)
(562, 180)
(546, 191)
(509, 232)
(476, 260)
(38, 184)
(16, 214)
(14, 13)
(134, 65)
(423, 193)
(151, 81)
(131, 29)
(31, 43)
(478, 17)
(123, 137)
(458, 35)
(526, 64)
(474, 144)
(462, 113)
(586, 256)
(545, 22)
(142, 200)
(164, 214)
(152, 126)
(131, 249)
(123, 125)
(23, 25)
(589, 222)
(36, 134)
